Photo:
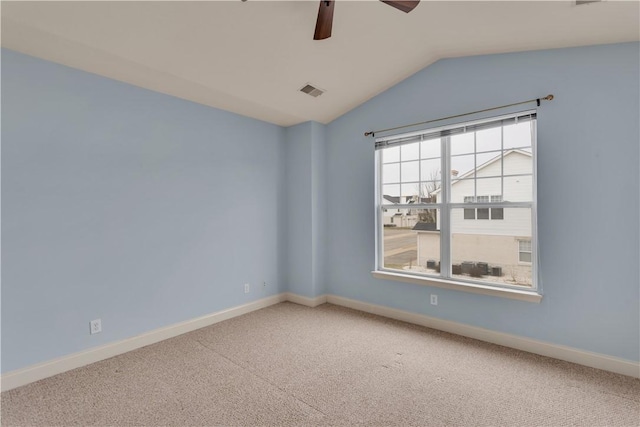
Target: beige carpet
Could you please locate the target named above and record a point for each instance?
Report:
(289, 365)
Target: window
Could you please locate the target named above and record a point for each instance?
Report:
(469, 213)
(524, 251)
(497, 213)
(467, 197)
(483, 213)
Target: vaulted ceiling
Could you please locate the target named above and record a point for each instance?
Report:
(253, 57)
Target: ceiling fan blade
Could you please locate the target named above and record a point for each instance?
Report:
(405, 6)
(325, 20)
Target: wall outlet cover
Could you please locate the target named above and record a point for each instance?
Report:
(95, 326)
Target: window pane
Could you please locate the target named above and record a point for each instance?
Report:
(391, 173)
(428, 191)
(486, 187)
(469, 214)
(525, 256)
(410, 192)
(497, 213)
(430, 149)
(488, 140)
(391, 155)
(430, 170)
(412, 241)
(462, 165)
(463, 191)
(489, 164)
(462, 144)
(483, 213)
(518, 188)
(518, 162)
(517, 136)
(410, 171)
(390, 194)
(409, 151)
(490, 251)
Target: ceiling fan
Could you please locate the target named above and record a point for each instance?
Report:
(325, 15)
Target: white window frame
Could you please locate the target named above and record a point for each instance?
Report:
(445, 279)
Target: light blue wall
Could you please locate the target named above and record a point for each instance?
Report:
(145, 210)
(306, 208)
(127, 205)
(299, 252)
(319, 206)
(588, 162)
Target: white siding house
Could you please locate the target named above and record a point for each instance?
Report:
(496, 238)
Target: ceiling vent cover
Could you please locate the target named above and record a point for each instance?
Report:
(313, 91)
(581, 2)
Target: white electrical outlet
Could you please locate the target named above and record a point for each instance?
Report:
(434, 299)
(95, 326)
(246, 288)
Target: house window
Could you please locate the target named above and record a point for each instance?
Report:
(468, 191)
(497, 213)
(524, 251)
(469, 213)
(483, 213)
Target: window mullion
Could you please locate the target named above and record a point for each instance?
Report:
(502, 161)
(420, 170)
(534, 208)
(445, 211)
(379, 214)
(475, 172)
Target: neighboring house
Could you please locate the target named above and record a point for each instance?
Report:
(496, 238)
(403, 218)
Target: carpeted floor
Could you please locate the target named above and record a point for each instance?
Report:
(289, 365)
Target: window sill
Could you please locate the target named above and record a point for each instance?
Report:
(529, 296)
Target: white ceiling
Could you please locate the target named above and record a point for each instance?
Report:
(253, 57)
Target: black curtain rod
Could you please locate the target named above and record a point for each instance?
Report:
(537, 100)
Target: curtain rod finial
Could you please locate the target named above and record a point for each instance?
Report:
(368, 134)
(548, 97)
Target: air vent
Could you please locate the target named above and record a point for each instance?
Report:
(313, 91)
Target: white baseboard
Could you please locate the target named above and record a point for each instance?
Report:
(47, 369)
(309, 302)
(569, 354)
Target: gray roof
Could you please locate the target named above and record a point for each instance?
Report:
(392, 199)
(396, 199)
(425, 226)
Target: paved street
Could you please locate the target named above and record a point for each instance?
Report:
(400, 247)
